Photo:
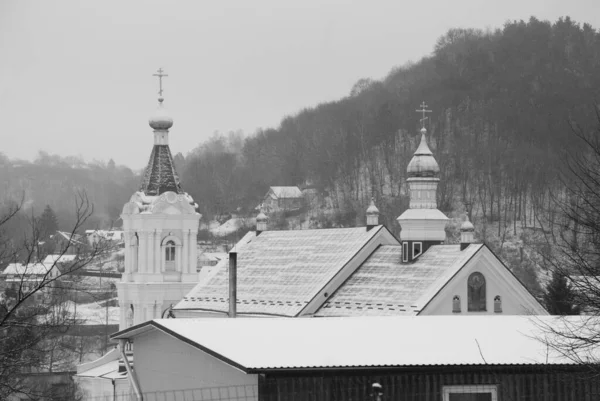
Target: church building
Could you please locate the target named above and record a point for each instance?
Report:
(160, 224)
(337, 272)
(365, 271)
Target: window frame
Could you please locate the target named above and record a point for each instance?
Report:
(405, 251)
(170, 251)
(471, 389)
(469, 291)
(420, 249)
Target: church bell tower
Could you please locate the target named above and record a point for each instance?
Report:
(422, 223)
(160, 225)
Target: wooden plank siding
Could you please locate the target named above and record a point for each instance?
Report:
(516, 383)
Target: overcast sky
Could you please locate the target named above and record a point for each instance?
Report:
(76, 76)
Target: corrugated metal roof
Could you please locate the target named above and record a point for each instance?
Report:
(383, 285)
(281, 343)
(279, 272)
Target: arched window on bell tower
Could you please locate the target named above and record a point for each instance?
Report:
(476, 292)
(170, 250)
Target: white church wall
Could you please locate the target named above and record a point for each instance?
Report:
(515, 299)
(164, 363)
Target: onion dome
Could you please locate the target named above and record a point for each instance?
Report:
(467, 226)
(161, 120)
(423, 163)
(261, 217)
(372, 209)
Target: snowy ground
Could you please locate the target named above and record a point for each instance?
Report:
(94, 313)
(231, 226)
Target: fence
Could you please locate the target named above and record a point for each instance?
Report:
(365, 392)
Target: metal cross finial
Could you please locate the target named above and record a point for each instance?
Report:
(160, 76)
(423, 110)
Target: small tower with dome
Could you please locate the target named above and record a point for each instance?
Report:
(422, 223)
(160, 224)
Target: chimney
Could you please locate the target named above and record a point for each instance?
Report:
(372, 215)
(467, 233)
(261, 223)
(232, 283)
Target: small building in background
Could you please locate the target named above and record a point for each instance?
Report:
(112, 236)
(281, 199)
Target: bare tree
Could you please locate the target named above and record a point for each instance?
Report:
(572, 245)
(34, 314)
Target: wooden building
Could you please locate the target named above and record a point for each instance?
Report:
(430, 358)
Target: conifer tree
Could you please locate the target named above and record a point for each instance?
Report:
(47, 223)
(559, 297)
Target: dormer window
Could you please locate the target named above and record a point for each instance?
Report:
(476, 292)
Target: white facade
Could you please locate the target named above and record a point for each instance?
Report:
(500, 285)
(175, 365)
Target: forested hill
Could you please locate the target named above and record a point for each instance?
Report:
(503, 103)
(56, 181)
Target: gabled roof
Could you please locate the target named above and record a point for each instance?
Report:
(52, 259)
(36, 269)
(280, 272)
(286, 192)
(160, 175)
(74, 238)
(383, 285)
(375, 342)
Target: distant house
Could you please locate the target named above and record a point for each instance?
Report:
(72, 243)
(211, 258)
(27, 277)
(282, 199)
(112, 236)
(442, 358)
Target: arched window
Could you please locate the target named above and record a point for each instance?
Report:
(497, 304)
(476, 292)
(170, 251)
(456, 304)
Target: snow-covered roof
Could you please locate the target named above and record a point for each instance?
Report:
(280, 272)
(422, 214)
(30, 269)
(212, 256)
(75, 238)
(383, 285)
(52, 259)
(363, 342)
(286, 192)
(112, 235)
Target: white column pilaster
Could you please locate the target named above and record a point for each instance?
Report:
(150, 261)
(157, 253)
(143, 251)
(134, 252)
(193, 251)
(178, 258)
(185, 268)
(123, 317)
(127, 256)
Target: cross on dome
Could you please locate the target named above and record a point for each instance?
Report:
(160, 76)
(423, 110)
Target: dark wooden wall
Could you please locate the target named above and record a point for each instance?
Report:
(517, 383)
